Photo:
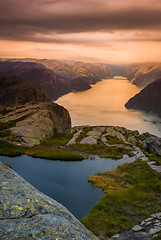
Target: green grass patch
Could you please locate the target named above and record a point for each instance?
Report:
(83, 134)
(132, 194)
(114, 140)
(12, 123)
(53, 153)
(59, 139)
(49, 149)
(103, 150)
(12, 150)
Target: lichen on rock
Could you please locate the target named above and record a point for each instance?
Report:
(26, 213)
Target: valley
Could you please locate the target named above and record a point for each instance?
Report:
(92, 155)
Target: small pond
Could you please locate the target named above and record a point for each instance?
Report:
(66, 182)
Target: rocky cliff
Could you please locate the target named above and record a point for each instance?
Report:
(15, 91)
(29, 124)
(149, 99)
(27, 214)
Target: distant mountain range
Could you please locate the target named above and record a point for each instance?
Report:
(57, 78)
(54, 77)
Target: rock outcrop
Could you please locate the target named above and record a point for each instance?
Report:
(17, 91)
(146, 230)
(152, 144)
(27, 214)
(149, 99)
(33, 123)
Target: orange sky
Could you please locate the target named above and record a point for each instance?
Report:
(116, 31)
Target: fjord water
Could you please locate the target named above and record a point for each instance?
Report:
(103, 104)
(66, 182)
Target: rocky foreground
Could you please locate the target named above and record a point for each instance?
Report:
(27, 214)
(29, 124)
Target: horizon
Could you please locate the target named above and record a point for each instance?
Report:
(96, 31)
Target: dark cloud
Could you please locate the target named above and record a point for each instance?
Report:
(33, 20)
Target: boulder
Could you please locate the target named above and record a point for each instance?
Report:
(153, 145)
(36, 122)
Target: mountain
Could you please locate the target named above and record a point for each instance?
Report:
(38, 73)
(56, 78)
(79, 84)
(73, 69)
(143, 74)
(149, 99)
(15, 90)
(95, 71)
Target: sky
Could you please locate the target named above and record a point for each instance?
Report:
(113, 31)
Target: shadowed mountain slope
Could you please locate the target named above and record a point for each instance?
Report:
(149, 99)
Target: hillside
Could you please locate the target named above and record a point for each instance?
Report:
(38, 73)
(15, 91)
(149, 99)
(143, 74)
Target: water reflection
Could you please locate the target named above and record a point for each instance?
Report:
(103, 104)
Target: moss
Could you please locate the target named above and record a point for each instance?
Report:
(53, 153)
(114, 140)
(103, 150)
(59, 139)
(11, 150)
(83, 134)
(12, 123)
(135, 195)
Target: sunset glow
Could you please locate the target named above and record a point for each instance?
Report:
(116, 31)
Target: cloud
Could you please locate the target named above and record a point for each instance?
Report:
(46, 20)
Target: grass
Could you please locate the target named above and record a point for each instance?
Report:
(114, 140)
(12, 150)
(83, 134)
(103, 150)
(12, 123)
(132, 194)
(52, 148)
(53, 153)
(49, 149)
(59, 139)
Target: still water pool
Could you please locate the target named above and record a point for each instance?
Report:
(66, 182)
